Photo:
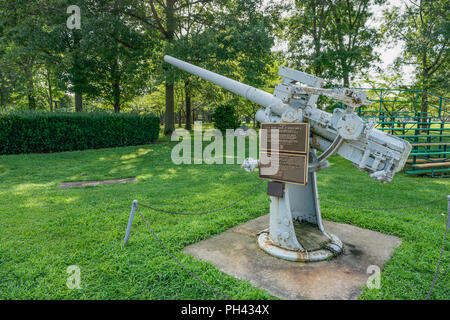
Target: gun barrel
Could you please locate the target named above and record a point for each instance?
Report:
(256, 95)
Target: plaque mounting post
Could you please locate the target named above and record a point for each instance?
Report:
(296, 231)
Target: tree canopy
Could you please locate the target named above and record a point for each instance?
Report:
(114, 60)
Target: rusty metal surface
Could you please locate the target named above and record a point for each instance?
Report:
(316, 246)
(266, 244)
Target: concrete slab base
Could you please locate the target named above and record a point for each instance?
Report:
(236, 252)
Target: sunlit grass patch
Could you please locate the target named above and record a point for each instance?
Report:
(43, 229)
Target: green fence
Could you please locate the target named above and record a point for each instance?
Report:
(420, 117)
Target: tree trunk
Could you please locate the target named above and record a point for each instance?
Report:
(319, 15)
(424, 106)
(116, 86)
(3, 93)
(346, 79)
(78, 102)
(188, 105)
(169, 123)
(115, 72)
(117, 101)
(169, 118)
(424, 111)
(30, 96)
(50, 90)
(2, 99)
(30, 89)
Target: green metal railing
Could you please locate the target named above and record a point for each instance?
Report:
(422, 118)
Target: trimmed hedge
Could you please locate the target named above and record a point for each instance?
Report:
(54, 132)
(225, 117)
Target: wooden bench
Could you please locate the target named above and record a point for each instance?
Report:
(434, 172)
(431, 144)
(417, 161)
(432, 164)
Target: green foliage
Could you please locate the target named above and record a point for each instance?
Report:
(108, 59)
(44, 229)
(149, 103)
(225, 117)
(230, 37)
(53, 132)
(423, 27)
(332, 39)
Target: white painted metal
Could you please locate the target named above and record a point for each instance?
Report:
(257, 96)
(371, 150)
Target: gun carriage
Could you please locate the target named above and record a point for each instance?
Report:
(296, 230)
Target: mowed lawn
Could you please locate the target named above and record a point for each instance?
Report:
(44, 229)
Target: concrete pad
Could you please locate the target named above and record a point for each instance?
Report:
(95, 183)
(236, 252)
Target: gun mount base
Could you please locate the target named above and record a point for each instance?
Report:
(296, 231)
(323, 251)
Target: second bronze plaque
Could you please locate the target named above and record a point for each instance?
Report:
(287, 162)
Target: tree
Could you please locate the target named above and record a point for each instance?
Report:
(18, 27)
(162, 16)
(424, 28)
(153, 102)
(332, 39)
(112, 58)
(9, 79)
(225, 117)
(107, 58)
(36, 37)
(120, 53)
(206, 32)
(74, 66)
(304, 32)
(350, 38)
(233, 39)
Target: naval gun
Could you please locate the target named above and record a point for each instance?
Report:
(296, 230)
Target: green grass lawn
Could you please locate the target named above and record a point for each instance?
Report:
(43, 229)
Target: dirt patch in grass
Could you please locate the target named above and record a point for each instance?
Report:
(95, 183)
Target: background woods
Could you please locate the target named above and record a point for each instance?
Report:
(115, 60)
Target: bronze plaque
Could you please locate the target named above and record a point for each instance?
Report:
(291, 168)
(293, 137)
(289, 161)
